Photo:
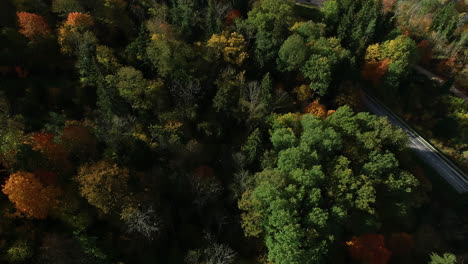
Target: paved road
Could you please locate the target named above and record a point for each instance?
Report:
(446, 169)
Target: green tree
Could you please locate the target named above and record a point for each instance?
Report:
(134, 88)
(269, 21)
(66, 6)
(309, 30)
(252, 147)
(20, 252)
(227, 96)
(359, 21)
(327, 172)
(170, 57)
(317, 69)
(11, 132)
(446, 20)
(446, 258)
(331, 12)
(293, 53)
(402, 51)
(256, 100)
(185, 17)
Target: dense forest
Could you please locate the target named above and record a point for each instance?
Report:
(230, 131)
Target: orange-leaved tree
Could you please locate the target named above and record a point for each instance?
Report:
(374, 71)
(74, 30)
(77, 19)
(29, 195)
(32, 26)
(317, 109)
(369, 248)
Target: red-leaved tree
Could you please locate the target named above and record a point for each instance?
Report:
(53, 151)
(232, 15)
(32, 26)
(369, 248)
(374, 71)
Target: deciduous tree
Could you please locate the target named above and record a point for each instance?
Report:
(293, 53)
(269, 21)
(29, 195)
(74, 32)
(33, 26)
(324, 173)
(133, 87)
(103, 184)
(317, 109)
(77, 19)
(232, 47)
(369, 248)
(446, 258)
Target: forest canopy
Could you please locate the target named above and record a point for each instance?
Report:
(229, 131)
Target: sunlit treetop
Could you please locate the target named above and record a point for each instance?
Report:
(33, 26)
(77, 19)
(29, 195)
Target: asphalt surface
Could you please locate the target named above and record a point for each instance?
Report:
(430, 155)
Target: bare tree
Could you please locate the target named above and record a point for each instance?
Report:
(213, 253)
(146, 223)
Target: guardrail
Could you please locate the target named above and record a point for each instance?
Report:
(421, 139)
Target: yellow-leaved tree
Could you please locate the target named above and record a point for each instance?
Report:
(103, 184)
(231, 46)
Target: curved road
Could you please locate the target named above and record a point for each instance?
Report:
(446, 169)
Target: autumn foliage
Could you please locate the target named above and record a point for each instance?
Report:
(56, 154)
(103, 184)
(231, 46)
(29, 195)
(232, 15)
(374, 71)
(77, 19)
(369, 248)
(71, 32)
(32, 26)
(387, 5)
(447, 67)
(317, 109)
(44, 143)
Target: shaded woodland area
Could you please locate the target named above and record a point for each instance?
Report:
(229, 131)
